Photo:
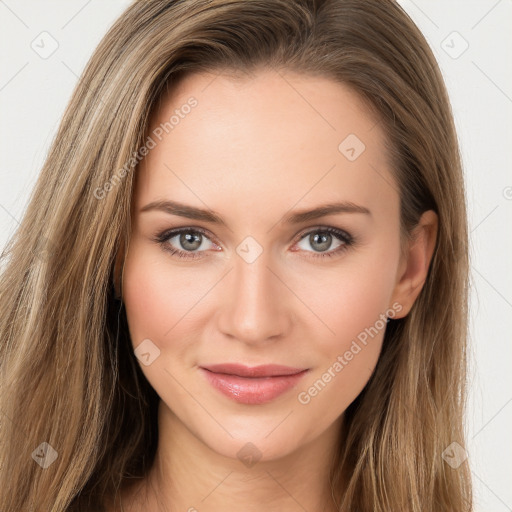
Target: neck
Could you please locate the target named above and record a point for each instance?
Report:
(187, 475)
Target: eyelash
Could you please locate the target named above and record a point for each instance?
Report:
(163, 238)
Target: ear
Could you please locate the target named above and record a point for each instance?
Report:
(414, 264)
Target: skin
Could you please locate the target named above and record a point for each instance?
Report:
(254, 150)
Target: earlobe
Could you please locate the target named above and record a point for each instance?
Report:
(414, 268)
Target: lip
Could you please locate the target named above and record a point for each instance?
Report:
(252, 385)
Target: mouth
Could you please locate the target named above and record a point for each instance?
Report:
(252, 385)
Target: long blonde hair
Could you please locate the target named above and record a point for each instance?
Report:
(69, 377)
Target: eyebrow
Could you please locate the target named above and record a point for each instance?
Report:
(296, 217)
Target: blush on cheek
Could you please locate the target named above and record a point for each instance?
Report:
(149, 306)
(363, 325)
(352, 306)
(160, 299)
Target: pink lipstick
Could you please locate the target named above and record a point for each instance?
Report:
(252, 385)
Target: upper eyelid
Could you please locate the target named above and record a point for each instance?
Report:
(329, 229)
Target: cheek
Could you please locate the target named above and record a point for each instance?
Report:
(145, 302)
(354, 313)
(159, 300)
(354, 307)
(358, 303)
(349, 299)
(156, 295)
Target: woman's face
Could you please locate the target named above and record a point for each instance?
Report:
(254, 279)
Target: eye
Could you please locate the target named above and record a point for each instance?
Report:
(322, 238)
(188, 243)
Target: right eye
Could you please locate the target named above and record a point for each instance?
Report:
(188, 240)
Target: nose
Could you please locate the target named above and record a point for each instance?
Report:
(256, 305)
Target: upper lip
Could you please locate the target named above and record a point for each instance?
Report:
(264, 370)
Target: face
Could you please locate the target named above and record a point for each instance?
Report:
(253, 279)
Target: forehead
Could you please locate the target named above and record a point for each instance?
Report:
(275, 138)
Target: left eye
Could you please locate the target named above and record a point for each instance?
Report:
(322, 239)
(194, 241)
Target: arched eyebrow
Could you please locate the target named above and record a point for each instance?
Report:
(299, 216)
(295, 217)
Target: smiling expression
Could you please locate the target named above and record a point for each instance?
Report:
(265, 231)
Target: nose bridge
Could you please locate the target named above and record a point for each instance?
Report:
(255, 308)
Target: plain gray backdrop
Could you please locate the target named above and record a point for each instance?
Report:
(44, 47)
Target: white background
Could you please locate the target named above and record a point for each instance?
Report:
(34, 92)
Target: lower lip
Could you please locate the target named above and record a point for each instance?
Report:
(250, 390)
